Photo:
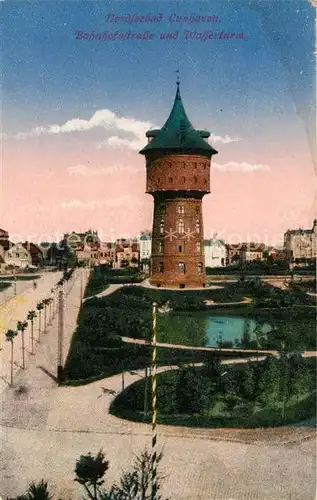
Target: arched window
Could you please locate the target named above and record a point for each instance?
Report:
(183, 180)
(197, 226)
(162, 226)
(181, 209)
(181, 267)
(198, 246)
(181, 226)
(160, 249)
(170, 180)
(161, 267)
(200, 267)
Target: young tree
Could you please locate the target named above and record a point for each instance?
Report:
(10, 336)
(36, 491)
(135, 484)
(31, 316)
(40, 307)
(21, 326)
(45, 303)
(90, 471)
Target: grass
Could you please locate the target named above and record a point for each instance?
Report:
(128, 404)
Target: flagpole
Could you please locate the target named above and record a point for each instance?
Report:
(154, 433)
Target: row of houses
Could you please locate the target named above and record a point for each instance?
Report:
(299, 246)
(133, 252)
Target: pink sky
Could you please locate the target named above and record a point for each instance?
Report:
(105, 190)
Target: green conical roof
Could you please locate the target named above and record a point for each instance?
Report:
(178, 134)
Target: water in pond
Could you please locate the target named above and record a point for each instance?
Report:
(229, 328)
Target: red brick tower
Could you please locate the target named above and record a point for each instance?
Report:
(178, 176)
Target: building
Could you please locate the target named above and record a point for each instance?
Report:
(37, 254)
(75, 240)
(178, 176)
(145, 243)
(233, 253)
(4, 235)
(107, 253)
(250, 252)
(127, 253)
(242, 253)
(300, 244)
(215, 253)
(18, 256)
(84, 245)
(88, 253)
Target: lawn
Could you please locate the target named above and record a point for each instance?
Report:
(248, 395)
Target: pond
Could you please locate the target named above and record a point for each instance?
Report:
(206, 329)
(223, 329)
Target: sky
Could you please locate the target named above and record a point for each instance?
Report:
(75, 110)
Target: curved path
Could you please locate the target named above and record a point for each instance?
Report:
(217, 349)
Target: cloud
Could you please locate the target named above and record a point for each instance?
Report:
(103, 118)
(117, 142)
(234, 166)
(81, 170)
(223, 140)
(125, 200)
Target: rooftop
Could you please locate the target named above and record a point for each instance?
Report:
(178, 134)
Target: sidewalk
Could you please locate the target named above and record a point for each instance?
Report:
(46, 350)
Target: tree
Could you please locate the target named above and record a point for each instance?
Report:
(45, 303)
(136, 484)
(21, 326)
(189, 390)
(90, 472)
(36, 491)
(40, 307)
(31, 315)
(10, 336)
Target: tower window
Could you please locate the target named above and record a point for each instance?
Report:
(180, 248)
(170, 180)
(161, 267)
(181, 209)
(181, 267)
(200, 268)
(198, 247)
(162, 226)
(181, 226)
(183, 180)
(197, 226)
(160, 248)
